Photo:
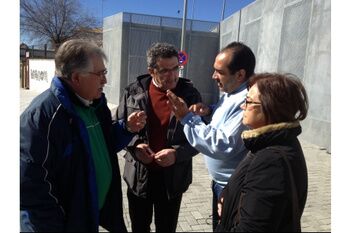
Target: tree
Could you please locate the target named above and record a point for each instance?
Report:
(56, 21)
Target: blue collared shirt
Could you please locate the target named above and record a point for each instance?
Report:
(220, 140)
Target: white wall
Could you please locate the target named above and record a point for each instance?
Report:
(41, 72)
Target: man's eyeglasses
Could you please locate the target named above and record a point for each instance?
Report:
(100, 74)
(249, 102)
(167, 71)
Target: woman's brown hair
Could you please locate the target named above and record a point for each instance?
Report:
(283, 97)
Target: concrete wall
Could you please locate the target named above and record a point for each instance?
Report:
(291, 36)
(41, 72)
(126, 37)
(112, 45)
(286, 35)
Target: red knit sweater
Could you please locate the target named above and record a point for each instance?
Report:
(158, 118)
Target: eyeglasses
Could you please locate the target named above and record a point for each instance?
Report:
(248, 102)
(167, 71)
(100, 74)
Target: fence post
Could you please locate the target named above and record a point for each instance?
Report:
(26, 73)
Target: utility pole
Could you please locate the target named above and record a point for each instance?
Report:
(183, 32)
(183, 35)
(102, 12)
(223, 10)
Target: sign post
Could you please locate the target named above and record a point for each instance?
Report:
(183, 59)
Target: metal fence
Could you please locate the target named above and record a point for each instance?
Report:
(32, 52)
(127, 36)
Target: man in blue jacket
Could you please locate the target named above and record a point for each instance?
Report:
(220, 140)
(70, 179)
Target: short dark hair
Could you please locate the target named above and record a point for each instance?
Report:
(242, 58)
(283, 97)
(160, 50)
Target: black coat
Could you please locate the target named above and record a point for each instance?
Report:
(258, 197)
(178, 176)
(58, 183)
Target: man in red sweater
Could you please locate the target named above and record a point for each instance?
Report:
(158, 165)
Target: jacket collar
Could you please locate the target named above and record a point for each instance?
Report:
(144, 80)
(241, 87)
(270, 135)
(269, 128)
(67, 97)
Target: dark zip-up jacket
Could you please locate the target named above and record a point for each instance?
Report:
(178, 176)
(57, 174)
(260, 195)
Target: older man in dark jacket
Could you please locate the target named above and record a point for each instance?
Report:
(158, 165)
(70, 179)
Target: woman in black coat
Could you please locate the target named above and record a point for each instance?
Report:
(268, 190)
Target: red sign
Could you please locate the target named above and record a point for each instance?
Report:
(183, 58)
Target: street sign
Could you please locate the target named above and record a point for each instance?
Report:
(183, 58)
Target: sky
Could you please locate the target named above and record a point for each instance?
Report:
(208, 10)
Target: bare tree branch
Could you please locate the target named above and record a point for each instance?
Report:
(56, 21)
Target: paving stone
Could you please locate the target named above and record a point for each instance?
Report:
(197, 215)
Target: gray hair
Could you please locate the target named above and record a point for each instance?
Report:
(160, 50)
(75, 55)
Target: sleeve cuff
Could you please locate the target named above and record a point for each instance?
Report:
(190, 118)
(126, 128)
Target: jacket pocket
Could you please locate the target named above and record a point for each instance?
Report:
(129, 171)
(135, 176)
(178, 178)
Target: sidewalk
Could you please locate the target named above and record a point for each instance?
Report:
(196, 202)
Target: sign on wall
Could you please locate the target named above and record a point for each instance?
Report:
(41, 72)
